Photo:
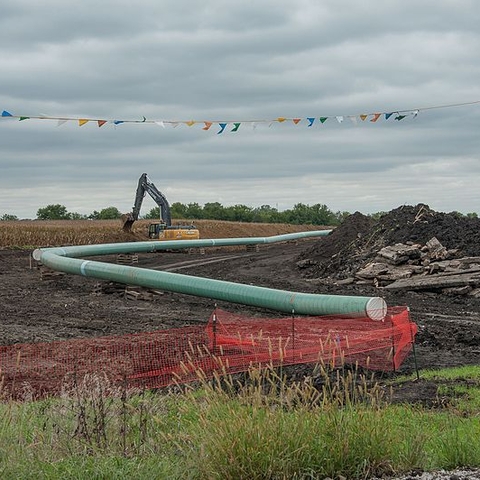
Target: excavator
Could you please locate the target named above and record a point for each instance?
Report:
(162, 230)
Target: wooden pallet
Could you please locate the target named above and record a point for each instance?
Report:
(49, 274)
(140, 293)
(127, 258)
(193, 251)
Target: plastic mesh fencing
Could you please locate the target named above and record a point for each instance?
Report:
(229, 343)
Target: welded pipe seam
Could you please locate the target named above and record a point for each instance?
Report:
(65, 259)
(82, 267)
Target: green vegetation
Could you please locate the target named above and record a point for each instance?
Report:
(59, 212)
(109, 213)
(8, 218)
(259, 428)
(300, 214)
(53, 212)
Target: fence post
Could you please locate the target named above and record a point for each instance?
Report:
(214, 329)
(293, 335)
(393, 343)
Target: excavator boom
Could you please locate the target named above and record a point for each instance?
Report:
(146, 186)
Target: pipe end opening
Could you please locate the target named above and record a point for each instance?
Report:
(376, 308)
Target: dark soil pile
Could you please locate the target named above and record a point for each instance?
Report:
(359, 238)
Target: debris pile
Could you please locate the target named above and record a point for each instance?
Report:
(409, 248)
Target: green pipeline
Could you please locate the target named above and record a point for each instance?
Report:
(70, 260)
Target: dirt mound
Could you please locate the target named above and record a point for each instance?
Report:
(359, 238)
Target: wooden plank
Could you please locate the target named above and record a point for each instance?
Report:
(435, 282)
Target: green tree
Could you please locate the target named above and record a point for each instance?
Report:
(213, 211)
(321, 215)
(194, 210)
(239, 213)
(6, 217)
(78, 216)
(153, 214)
(340, 217)
(53, 212)
(109, 213)
(94, 215)
(265, 214)
(178, 210)
(300, 214)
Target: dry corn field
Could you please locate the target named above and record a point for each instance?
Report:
(44, 233)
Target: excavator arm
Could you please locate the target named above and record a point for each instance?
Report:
(146, 186)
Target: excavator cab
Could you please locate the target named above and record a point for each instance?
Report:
(155, 230)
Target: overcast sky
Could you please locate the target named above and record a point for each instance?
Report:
(226, 61)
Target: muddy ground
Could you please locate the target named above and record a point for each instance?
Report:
(67, 306)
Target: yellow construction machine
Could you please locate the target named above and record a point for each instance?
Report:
(163, 229)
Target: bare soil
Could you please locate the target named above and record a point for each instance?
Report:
(65, 306)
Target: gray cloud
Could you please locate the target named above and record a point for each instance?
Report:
(206, 60)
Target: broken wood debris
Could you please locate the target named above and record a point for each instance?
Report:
(429, 267)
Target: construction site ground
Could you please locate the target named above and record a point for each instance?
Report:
(42, 308)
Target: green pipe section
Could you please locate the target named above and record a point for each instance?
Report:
(66, 259)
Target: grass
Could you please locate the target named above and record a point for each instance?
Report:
(260, 428)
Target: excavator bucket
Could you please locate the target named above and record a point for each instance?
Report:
(127, 222)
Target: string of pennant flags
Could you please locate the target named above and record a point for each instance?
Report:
(222, 126)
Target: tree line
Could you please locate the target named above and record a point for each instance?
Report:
(317, 214)
(300, 214)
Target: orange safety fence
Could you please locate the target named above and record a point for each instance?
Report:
(228, 343)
